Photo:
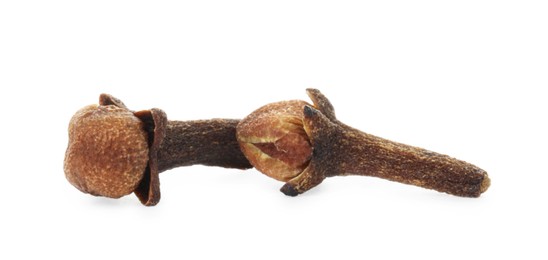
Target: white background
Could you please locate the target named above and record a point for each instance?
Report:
(464, 78)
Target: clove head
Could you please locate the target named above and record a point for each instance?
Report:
(107, 154)
(112, 150)
(274, 140)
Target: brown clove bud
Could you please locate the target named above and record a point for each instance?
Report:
(302, 144)
(114, 151)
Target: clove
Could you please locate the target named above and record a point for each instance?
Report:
(114, 151)
(302, 144)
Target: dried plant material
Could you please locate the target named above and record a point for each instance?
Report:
(275, 141)
(112, 172)
(114, 151)
(330, 148)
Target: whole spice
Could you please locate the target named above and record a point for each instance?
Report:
(302, 144)
(114, 151)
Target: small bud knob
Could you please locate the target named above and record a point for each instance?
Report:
(274, 140)
(107, 154)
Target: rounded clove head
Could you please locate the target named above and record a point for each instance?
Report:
(274, 139)
(108, 152)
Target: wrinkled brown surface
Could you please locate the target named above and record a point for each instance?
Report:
(114, 151)
(342, 150)
(155, 122)
(274, 141)
(267, 138)
(207, 142)
(107, 152)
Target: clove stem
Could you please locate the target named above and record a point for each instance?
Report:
(207, 142)
(341, 150)
(369, 155)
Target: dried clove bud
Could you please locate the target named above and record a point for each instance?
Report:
(108, 151)
(275, 141)
(302, 144)
(114, 151)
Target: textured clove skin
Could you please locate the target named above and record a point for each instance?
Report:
(339, 150)
(114, 151)
(275, 142)
(206, 142)
(112, 172)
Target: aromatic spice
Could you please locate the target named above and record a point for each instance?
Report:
(302, 144)
(114, 151)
